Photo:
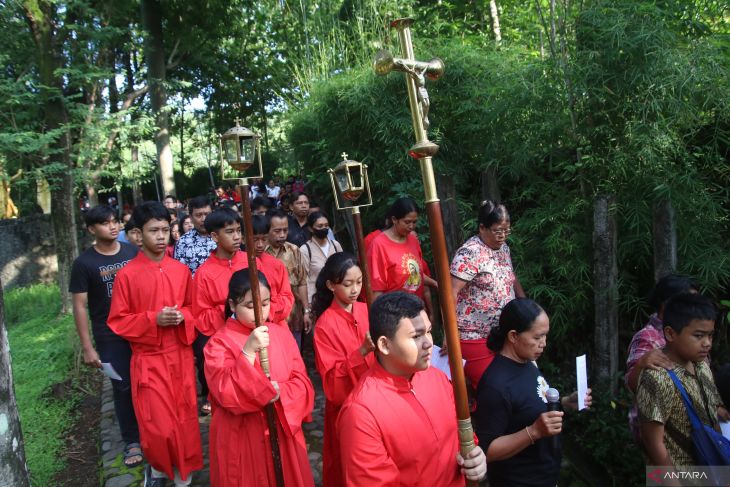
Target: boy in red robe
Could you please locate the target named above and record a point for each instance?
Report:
(210, 286)
(398, 427)
(151, 309)
(240, 450)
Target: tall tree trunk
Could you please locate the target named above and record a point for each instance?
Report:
(664, 230)
(605, 289)
(40, 18)
(13, 470)
(489, 185)
(450, 214)
(136, 189)
(156, 73)
(494, 12)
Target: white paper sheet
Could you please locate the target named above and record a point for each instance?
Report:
(725, 428)
(582, 378)
(109, 371)
(442, 363)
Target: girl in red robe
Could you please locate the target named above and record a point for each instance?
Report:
(342, 345)
(240, 451)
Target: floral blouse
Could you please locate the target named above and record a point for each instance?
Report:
(489, 286)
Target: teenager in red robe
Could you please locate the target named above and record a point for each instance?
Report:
(240, 451)
(151, 309)
(398, 427)
(210, 286)
(342, 345)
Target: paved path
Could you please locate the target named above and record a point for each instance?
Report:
(115, 474)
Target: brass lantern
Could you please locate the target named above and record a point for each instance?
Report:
(350, 181)
(240, 149)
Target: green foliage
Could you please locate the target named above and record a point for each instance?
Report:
(42, 350)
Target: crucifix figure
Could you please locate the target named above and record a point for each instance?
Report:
(417, 73)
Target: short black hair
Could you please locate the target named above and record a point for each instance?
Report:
(276, 213)
(220, 218)
(314, 216)
(171, 197)
(668, 286)
(387, 311)
(197, 203)
(260, 224)
(149, 210)
(296, 194)
(681, 309)
(260, 201)
(130, 225)
(99, 214)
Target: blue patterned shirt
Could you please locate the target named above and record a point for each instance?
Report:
(193, 249)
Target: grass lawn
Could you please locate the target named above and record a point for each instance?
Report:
(47, 379)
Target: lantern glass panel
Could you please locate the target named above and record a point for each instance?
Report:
(229, 150)
(248, 150)
(356, 177)
(342, 181)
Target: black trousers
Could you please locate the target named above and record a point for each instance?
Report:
(117, 352)
(198, 346)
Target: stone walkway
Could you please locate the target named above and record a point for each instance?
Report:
(115, 474)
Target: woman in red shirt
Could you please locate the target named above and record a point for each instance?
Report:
(395, 259)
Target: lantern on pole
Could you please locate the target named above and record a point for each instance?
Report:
(240, 150)
(349, 182)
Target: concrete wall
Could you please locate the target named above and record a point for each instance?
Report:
(27, 251)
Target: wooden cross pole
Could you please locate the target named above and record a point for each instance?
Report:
(423, 150)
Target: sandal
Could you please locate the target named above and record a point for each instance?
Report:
(205, 409)
(133, 455)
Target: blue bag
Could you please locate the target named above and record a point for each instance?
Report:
(711, 448)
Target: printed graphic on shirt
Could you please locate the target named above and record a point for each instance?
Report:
(108, 273)
(542, 387)
(411, 267)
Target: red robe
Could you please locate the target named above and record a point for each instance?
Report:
(240, 452)
(162, 372)
(396, 432)
(337, 339)
(210, 289)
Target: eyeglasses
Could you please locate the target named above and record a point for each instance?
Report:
(501, 232)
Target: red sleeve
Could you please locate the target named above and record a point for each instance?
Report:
(282, 298)
(364, 457)
(233, 382)
(138, 327)
(208, 315)
(378, 267)
(186, 330)
(296, 393)
(340, 369)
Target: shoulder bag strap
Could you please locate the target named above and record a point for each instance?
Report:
(694, 419)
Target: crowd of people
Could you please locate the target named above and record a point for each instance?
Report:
(171, 293)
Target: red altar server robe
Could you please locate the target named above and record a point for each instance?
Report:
(240, 452)
(337, 339)
(210, 289)
(396, 432)
(162, 372)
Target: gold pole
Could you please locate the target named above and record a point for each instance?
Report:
(433, 210)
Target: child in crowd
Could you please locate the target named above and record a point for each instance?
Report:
(240, 450)
(343, 347)
(151, 309)
(689, 324)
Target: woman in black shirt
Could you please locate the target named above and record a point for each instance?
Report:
(512, 422)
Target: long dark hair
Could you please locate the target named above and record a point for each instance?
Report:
(334, 270)
(239, 285)
(518, 315)
(400, 208)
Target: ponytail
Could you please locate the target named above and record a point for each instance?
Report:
(518, 315)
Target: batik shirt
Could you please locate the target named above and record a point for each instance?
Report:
(659, 401)
(193, 249)
(489, 286)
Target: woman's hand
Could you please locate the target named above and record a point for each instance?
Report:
(474, 466)
(655, 360)
(571, 402)
(367, 345)
(259, 339)
(547, 424)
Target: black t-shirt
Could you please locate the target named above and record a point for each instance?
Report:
(510, 396)
(298, 235)
(94, 273)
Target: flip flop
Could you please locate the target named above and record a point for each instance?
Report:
(133, 455)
